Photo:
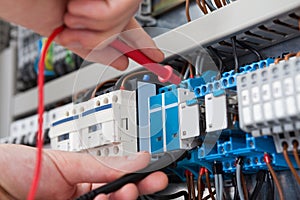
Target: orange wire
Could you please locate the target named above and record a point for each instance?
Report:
(187, 10)
(274, 176)
(277, 60)
(295, 152)
(287, 57)
(218, 3)
(298, 54)
(288, 161)
(202, 6)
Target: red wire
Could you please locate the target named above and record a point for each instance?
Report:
(37, 171)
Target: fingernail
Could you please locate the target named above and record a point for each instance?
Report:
(74, 45)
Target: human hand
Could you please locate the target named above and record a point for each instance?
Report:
(91, 25)
(68, 175)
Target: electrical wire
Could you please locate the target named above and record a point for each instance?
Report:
(216, 54)
(224, 2)
(288, 161)
(199, 183)
(38, 166)
(260, 177)
(277, 60)
(221, 186)
(187, 10)
(287, 57)
(202, 5)
(236, 60)
(218, 3)
(122, 87)
(244, 186)
(239, 182)
(191, 70)
(192, 186)
(209, 185)
(251, 49)
(298, 54)
(210, 5)
(267, 159)
(176, 195)
(188, 184)
(166, 160)
(99, 86)
(217, 186)
(209, 196)
(295, 152)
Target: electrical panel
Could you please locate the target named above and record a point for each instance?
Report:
(238, 109)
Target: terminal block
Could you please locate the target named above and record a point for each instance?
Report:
(269, 102)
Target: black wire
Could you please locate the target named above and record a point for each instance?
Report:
(170, 196)
(236, 60)
(210, 5)
(260, 178)
(253, 50)
(216, 54)
(208, 196)
(166, 160)
(270, 186)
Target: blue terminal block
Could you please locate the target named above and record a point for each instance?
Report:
(228, 79)
(191, 83)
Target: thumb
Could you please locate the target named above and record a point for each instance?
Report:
(79, 168)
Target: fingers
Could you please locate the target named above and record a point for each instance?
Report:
(136, 37)
(85, 168)
(155, 182)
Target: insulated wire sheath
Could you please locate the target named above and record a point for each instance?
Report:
(236, 60)
(217, 186)
(239, 182)
(221, 188)
(209, 185)
(296, 155)
(170, 196)
(288, 161)
(274, 176)
(244, 186)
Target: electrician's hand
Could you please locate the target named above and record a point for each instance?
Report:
(93, 24)
(68, 175)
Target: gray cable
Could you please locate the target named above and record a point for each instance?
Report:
(217, 186)
(186, 74)
(221, 189)
(239, 182)
(197, 65)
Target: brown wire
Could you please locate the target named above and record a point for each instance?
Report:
(298, 54)
(208, 185)
(199, 187)
(131, 75)
(287, 57)
(202, 5)
(209, 196)
(288, 161)
(187, 10)
(244, 186)
(276, 181)
(192, 186)
(188, 185)
(224, 2)
(101, 85)
(277, 60)
(218, 3)
(295, 152)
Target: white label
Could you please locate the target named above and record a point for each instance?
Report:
(291, 106)
(257, 114)
(288, 86)
(277, 89)
(247, 116)
(266, 92)
(279, 108)
(268, 112)
(245, 97)
(297, 82)
(255, 95)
